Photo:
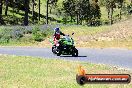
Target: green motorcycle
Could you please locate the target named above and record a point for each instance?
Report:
(65, 46)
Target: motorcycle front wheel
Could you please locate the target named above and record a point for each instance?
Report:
(75, 53)
(58, 52)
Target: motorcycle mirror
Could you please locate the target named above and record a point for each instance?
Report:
(73, 33)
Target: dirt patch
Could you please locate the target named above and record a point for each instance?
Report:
(122, 30)
(45, 43)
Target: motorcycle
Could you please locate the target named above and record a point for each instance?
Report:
(65, 46)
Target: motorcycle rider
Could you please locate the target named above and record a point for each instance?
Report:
(57, 34)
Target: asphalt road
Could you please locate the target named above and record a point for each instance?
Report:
(114, 57)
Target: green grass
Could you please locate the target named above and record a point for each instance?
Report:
(29, 72)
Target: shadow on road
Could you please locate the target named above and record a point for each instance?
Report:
(72, 56)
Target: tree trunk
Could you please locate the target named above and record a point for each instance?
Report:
(26, 3)
(80, 21)
(111, 16)
(1, 20)
(77, 19)
(13, 9)
(108, 13)
(47, 12)
(50, 11)
(0, 9)
(33, 11)
(39, 11)
(120, 12)
(71, 18)
(6, 9)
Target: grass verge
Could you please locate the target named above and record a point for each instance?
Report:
(29, 72)
(106, 44)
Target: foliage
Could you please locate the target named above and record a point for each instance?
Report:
(52, 4)
(69, 7)
(129, 8)
(24, 34)
(39, 34)
(82, 12)
(6, 34)
(95, 14)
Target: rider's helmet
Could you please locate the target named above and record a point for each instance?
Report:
(57, 29)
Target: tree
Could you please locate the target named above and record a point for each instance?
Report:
(78, 11)
(26, 5)
(48, 2)
(39, 10)
(110, 5)
(85, 10)
(120, 5)
(47, 11)
(6, 2)
(33, 4)
(95, 13)
(69, 7)
(52, 4)
(1, 20)
(0, 10)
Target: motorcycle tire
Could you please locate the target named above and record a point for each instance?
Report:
(58, 52)
(53, 47)
(75, 53)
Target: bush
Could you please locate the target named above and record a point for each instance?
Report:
(129, 9)
(94, 22)
(17, 34)
(6, 34)
(37, 34)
